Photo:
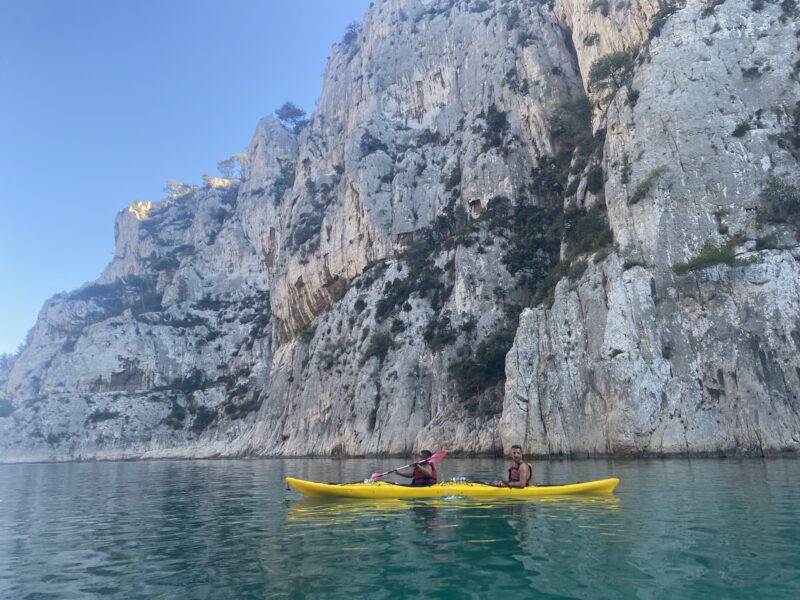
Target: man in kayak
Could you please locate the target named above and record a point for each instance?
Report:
(520, 474)
(423, 473)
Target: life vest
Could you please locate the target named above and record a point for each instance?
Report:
(513, 473)
(419, 477)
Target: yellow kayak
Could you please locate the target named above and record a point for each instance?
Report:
(382, 489)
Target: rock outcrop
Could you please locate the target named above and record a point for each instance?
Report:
(624, 173)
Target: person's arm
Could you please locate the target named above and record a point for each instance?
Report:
(426, 468)
(524, 474)
(404, 472)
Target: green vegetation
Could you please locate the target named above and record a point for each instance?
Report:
(534, 242)
(741, 129)
(454, 180)
(789, 140)
(175, 417)
(370, 144)
(710, 255)
(308, 334)
(645, 184)
(591, 39)
(594, 179)
(660, 18)
(709, 9)
(134, 292)
(512, 18)
(496, 128)
(379, 346)
(283, 182)
(780, 203)
(290, 115)
(609, 71)
(439, 333)
(600, 6)
(237, 410)
(102, 415)
(351, 34)
(586, 231)
(571, 132)
(308, 226)
(203, 417)
(487, 368)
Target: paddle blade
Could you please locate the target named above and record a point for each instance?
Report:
(437, 457)
(376, 476)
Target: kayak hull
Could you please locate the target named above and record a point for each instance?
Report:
(382, 489)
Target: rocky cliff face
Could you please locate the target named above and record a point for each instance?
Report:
(357, 290)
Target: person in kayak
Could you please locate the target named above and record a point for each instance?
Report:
(423, 473)
(520, 474)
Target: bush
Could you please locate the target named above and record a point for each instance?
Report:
(439, 333)
(203, 417)
(176, 416)
(586, 231)
(741, 129)
(591, 40)
(308, 334)
(780, 203)
(496, 128)
(660, 18)
(454, 180)
(102, 415)
(577, 269)
(600, 6)
(350, 34)
(534, 243)
(546, 289)
(645, 184)
(370, 144)
(594, 179)
(474, 375)
(379, 346)
(710, 255)
(609, 70)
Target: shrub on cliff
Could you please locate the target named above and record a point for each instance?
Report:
(608, 71)
(379, 346)
(496, 128)
(487, 368)
(780, 203)
(290, 115)
(710, 255)
(645, 184)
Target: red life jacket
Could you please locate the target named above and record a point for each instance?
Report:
(420, 478)
(513, 473)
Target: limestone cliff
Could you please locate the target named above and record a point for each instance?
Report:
(625, 172)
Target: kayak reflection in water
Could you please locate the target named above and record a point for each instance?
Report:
(423, 473)
(520, 474)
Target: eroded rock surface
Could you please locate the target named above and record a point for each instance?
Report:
(356, 290)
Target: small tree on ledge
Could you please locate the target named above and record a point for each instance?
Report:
(291, 115)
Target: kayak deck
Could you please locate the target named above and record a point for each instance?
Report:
(382, 489)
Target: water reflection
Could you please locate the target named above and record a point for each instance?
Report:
(212, 529)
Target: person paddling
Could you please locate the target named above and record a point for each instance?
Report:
(520, 474)
(423, 472)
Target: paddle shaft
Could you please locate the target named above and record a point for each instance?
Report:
(430, 460)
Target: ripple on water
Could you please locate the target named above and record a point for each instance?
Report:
(229, 529)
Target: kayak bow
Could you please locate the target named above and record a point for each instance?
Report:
(382, 489)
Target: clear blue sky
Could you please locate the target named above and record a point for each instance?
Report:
(102, 101)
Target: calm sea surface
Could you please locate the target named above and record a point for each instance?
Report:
(230, 529)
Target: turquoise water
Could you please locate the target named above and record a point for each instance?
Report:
(230, 529)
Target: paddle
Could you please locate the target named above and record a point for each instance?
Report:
(435, 458)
